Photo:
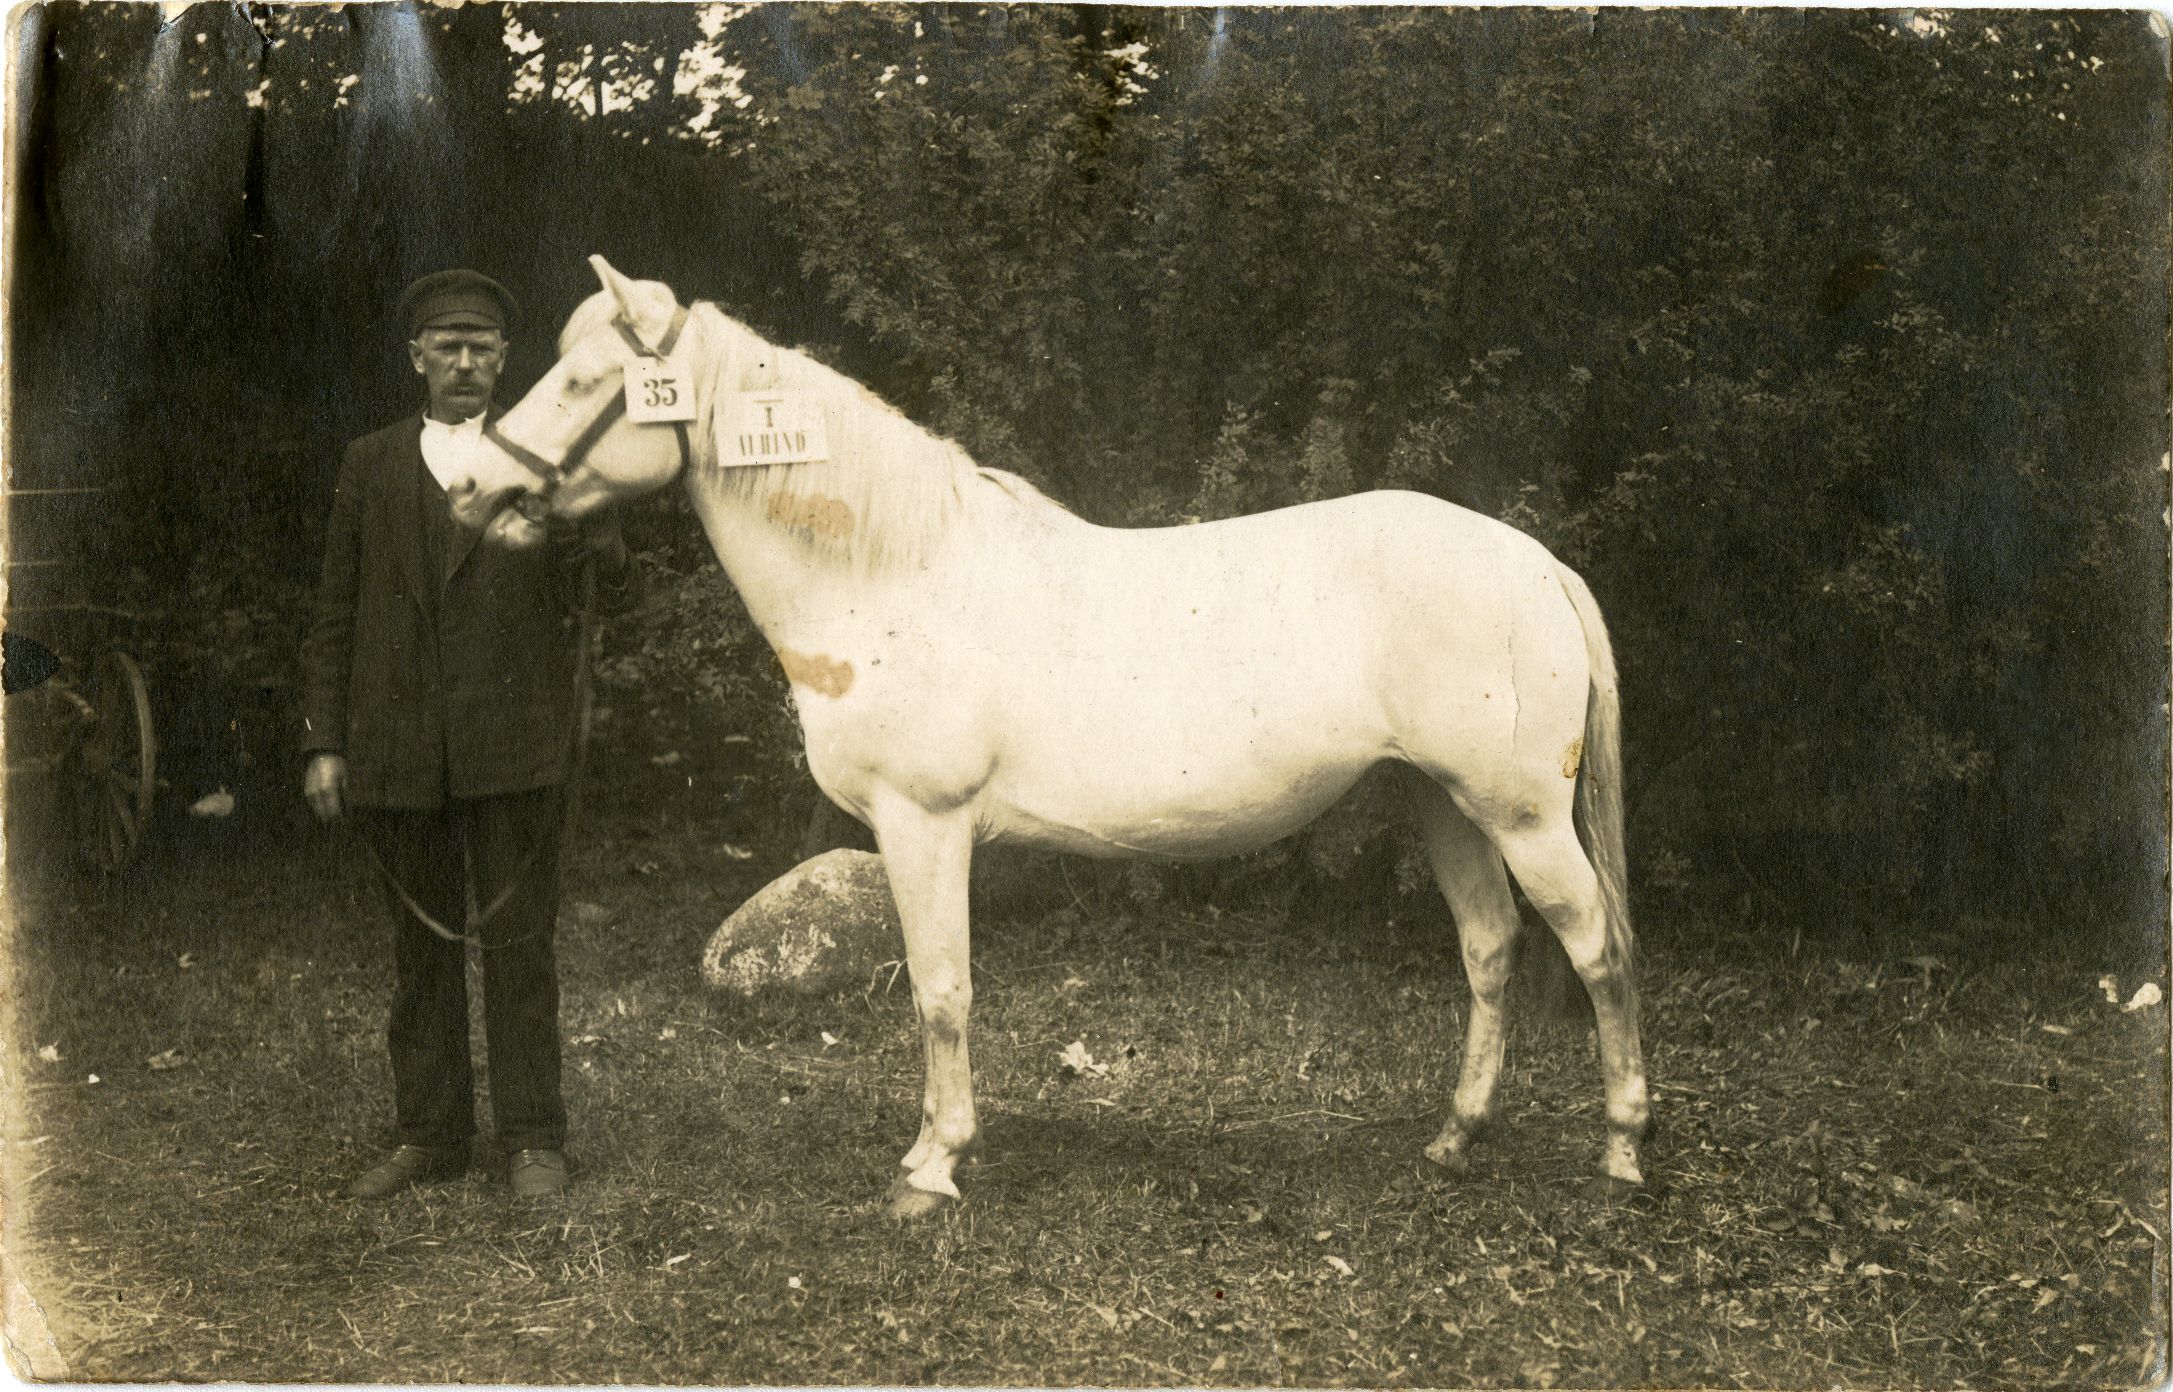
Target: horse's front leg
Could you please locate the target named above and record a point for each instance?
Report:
(928, 856)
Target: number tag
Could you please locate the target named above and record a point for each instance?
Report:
(773, 428)
(657, 393)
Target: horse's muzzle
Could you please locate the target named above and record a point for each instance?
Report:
(533, 504)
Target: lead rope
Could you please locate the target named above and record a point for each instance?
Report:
(577, 761)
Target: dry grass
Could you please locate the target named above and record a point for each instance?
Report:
(1867, 1174)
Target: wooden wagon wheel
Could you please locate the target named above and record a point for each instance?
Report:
(118, 765)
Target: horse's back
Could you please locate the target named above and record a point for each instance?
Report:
(1299, 576)
(1404, 531)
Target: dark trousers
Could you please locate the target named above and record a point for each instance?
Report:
(434, 855)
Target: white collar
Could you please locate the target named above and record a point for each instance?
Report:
(473, 425)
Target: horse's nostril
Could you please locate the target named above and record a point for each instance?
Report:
(532, 505)
(463, 487)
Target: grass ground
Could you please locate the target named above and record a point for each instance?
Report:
(1867, 1173)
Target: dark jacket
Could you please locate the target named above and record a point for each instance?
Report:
(438, 666)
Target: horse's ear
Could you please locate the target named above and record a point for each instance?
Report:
(619, 286)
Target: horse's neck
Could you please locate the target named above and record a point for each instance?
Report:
(893, 502)
(791, 593)
(762, 562)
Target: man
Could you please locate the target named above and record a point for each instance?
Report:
(438, 705)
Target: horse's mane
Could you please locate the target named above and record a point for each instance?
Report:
(888, 493)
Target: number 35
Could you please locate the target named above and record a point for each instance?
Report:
(661, 392)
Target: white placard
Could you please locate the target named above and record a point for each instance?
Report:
(772, 428)
(657, 393)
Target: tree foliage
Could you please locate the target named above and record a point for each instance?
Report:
(1828, 345)
(1790, 330)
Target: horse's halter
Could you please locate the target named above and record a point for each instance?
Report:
(536, 502)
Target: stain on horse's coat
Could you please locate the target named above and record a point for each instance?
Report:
(817, 673)
(1572, 756)
(823, 516)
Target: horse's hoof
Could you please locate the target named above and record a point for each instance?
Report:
(908, 1203)
(1607, 1189)
(1456, 1162)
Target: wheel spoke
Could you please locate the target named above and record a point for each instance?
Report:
(130, 787)
(122, 815)
(116, 758)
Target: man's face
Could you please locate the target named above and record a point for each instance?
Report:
(460, 366)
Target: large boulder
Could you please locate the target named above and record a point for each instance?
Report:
(826, 924)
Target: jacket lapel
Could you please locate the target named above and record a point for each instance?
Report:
(404, 492)
(461, 540)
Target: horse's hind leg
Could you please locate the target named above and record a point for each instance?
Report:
(1469, 872)
(1550, 865)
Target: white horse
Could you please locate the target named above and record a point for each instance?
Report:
(972, 663)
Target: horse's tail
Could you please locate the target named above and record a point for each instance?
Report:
(1599, 787)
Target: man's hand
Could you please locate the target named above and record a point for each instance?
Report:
(325, 785)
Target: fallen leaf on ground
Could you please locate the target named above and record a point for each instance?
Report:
(2110, 985)
(185, 960)
(2146, 996)
(50, 1053)
(1340, 1265)
(165, 1060)
(733, 852)
(1076, 1061)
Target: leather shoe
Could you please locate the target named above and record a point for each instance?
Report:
(536, 1174)
(408, 1164)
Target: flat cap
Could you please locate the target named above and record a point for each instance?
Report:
(457, 299)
